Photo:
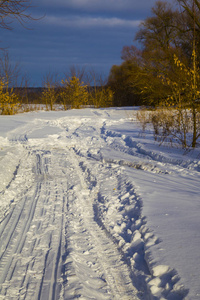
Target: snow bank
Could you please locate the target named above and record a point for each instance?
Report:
(10, 158)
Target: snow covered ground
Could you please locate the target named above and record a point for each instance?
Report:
(91, 208)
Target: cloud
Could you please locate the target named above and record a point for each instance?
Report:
(90, 22)
(99, 6)
(81, 32)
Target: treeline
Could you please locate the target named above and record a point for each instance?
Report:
(163, 67)
(164, 72)
(78, 88)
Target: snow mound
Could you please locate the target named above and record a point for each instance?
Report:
(10, 158)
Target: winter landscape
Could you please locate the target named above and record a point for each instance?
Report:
(93, 208)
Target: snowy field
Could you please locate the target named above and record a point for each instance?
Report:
(91, 208)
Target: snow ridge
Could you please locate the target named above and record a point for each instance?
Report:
(135, 148)
(129, 231)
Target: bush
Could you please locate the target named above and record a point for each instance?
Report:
(73, 93)
(9, 102)
(170, 125)
(101, 96)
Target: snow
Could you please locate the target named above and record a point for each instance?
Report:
(92, 208)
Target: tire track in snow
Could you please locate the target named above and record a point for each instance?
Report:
(31, 237)
(115, 272)
(144, 158)
(14, 234)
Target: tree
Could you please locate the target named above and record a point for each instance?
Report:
(8, 72)
(140, 71)
(8, 100)
(14, 10)
(10, 10)
(159, 30)
(165, 72)
(73, 93)
(49, 94)
(167, 62)
(160, 39)
(100, 94)
(159, 36)
(178, 115)
(123, 81)
(76, 71)
(136, 81)
(193, 10)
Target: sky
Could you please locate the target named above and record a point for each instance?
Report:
(82, 33)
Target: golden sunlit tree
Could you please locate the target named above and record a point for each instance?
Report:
(10, 10)
(73, 93)
(9, 102)
(168, 73)
(100, 94)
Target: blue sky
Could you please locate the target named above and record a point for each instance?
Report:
(83, 33)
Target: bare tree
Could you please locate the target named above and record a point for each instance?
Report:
(49, 94)
(76, 71)
(14, 10)
(100, 94)
(8, 72)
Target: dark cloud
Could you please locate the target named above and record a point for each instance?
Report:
(74, 32)
(99, 6)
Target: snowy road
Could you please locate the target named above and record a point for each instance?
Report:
(51, 232)
(72, 222)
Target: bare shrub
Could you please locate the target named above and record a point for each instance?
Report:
(143, 116)
(171, 125)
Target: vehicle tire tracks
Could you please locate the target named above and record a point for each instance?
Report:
(108, 259)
